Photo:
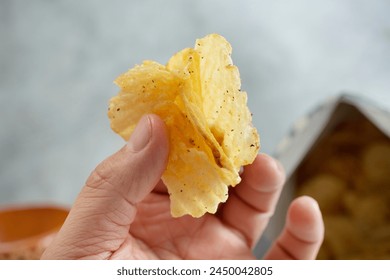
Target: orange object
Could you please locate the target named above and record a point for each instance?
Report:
(27, 230)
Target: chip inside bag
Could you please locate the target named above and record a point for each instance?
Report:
(198, 95)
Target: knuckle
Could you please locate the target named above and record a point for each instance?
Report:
(101, 176)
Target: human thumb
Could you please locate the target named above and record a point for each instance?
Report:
(100, 219)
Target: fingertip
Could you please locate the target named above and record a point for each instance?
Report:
(303, 233)
(304, 219)
(156, 121)
(268, 171)
(272, 161)
(273, 167)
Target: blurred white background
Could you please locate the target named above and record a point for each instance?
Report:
(58, 60)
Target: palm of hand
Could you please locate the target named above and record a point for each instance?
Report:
(154, 234)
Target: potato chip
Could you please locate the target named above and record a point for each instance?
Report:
(198, 95)
(376, 162)
(341, 236)
(327, 189)
(368, 210)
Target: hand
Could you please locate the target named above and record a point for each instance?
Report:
(123, 212)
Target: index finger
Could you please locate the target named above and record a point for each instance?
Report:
(253, 201)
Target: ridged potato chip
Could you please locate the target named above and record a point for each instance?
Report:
(198, 95)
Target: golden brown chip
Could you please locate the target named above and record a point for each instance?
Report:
(211, 135)
(368, 211)
(227, 115)
(341, 236)
(376, 162)
(327, 189)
